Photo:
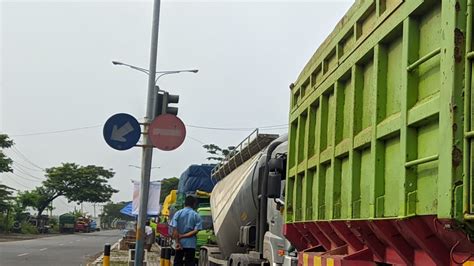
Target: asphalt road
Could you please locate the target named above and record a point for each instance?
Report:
(72, 249)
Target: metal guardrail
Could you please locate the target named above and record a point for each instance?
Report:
(250, 146)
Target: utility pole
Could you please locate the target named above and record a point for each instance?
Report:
(147, 150)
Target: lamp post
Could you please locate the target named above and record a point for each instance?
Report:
(160, 73)
(153, 77)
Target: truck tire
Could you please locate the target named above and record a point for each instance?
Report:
(203, 260)
(16, 225)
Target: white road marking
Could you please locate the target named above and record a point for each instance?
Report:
(61, 244)
(78, 240)
(71, 242)
(43, 249)
(23, 254)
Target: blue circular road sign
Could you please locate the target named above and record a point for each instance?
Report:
(122, 131)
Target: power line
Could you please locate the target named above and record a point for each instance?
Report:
(236, 128)
(26, 173)
(276, 128)
(195, 139)
(56, 131)
(26, 167)
(25, 178)
(18, 183)
(14, 149)
(192, 126)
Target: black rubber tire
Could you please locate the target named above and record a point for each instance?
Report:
(16, 225)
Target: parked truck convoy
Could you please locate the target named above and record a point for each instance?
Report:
(379, 167)
(380, 159)
(68, 223)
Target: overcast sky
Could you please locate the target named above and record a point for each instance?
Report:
(56, 75)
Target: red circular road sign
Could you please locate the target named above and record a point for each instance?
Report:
(167, 132)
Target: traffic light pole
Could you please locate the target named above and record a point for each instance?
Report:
(147, 152)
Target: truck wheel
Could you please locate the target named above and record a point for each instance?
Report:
(16, 225)
(203, 260)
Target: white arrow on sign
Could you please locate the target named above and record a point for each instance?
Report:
(119, 133)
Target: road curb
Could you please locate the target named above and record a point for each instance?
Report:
(99, 259)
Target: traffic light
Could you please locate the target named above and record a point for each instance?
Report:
(159, 104)
(167, 99)
(163, 100)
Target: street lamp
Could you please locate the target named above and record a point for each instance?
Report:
(161, 73)
(138, 167)
(163, 99)
(151, 112)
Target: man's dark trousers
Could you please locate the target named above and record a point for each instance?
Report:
(187, 254)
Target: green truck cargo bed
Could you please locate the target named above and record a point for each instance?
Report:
(380, 162)
(380, 120)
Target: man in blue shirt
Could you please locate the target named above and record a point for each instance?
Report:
(186, 223)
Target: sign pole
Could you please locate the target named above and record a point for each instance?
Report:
(147, 152)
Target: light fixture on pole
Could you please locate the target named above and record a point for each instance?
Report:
(160, 73)
(138, 167)
(151, 111)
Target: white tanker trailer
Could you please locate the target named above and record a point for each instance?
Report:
(247, 204)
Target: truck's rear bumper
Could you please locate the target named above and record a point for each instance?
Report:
(421, 240)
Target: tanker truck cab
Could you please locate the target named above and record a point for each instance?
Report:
(276, 249)
(247, 208)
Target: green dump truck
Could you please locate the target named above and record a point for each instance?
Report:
(380, 160)
(66, 223)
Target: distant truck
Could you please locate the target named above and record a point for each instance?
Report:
(206, 235)
(82, 225)
(41, 223)
(67, 223)
(93, 226)
(196, 181)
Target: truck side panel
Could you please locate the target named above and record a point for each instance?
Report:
(376, 139)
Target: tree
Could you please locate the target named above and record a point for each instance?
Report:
(38, 198)
(5, 162)
(5, 206)
(76, 183)
(78, 213)
(217, 153)
(5, 166)
(167, 185)
(5, 197)
(5, 191)
(111, 211)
